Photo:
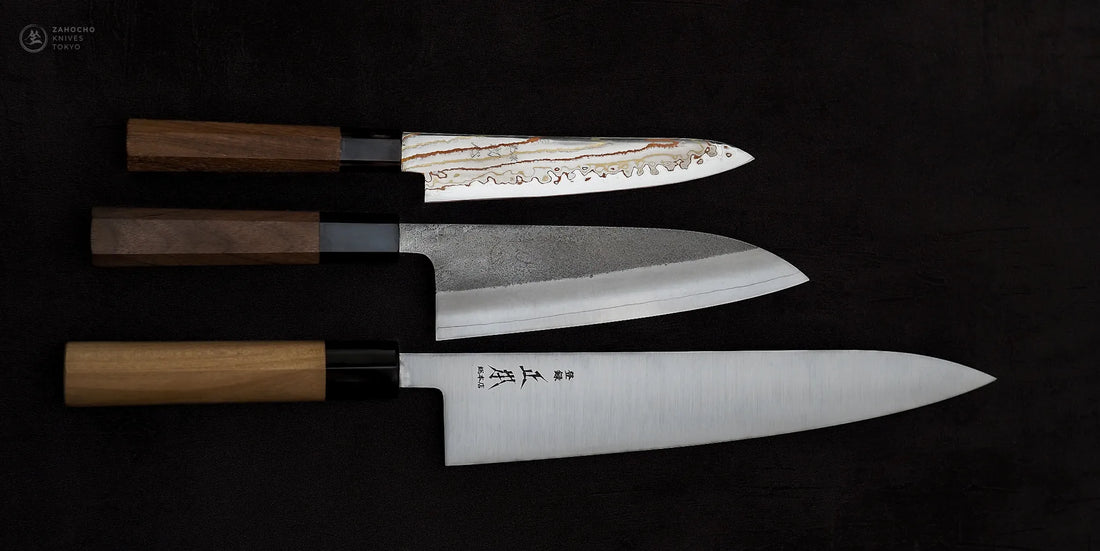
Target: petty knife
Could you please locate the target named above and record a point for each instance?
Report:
(455, 166)
(489, 279)
(521, 406)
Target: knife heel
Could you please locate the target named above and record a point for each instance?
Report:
(152, 373)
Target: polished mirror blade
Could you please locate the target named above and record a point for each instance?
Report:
(505, 279)
(520, 406)
(462, 167)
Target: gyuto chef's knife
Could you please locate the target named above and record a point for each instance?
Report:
(455, 167)
(489, 279)
(520, 406)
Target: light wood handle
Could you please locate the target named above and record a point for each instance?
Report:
(175, 237)
(147, 373)
(162, 145)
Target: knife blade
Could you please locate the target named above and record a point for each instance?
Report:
(524, 406)
(455, 167)
(489, 279)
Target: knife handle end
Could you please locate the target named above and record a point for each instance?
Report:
(149, 373)
(175, 146)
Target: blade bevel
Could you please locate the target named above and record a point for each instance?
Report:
(615, 296)
(569, 404)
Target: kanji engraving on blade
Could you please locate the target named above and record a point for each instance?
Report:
(502, 376)
(497, 376)
(530, 374)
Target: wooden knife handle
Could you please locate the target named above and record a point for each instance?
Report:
(159, 145)
(176, 237)
(146, 373)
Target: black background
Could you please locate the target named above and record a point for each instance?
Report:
(929, 165)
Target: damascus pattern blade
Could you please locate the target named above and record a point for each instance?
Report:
(462, 167)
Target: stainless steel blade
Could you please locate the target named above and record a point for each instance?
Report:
(512, 407)
(505, 279)
(461, 167)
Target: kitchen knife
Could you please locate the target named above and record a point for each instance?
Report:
(455, 167)
(520, 406)
(489, 279)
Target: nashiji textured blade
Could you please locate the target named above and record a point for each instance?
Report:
(494, 279)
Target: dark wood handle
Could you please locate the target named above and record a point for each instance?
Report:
(156, 145)
(146, 373)
(177, 237)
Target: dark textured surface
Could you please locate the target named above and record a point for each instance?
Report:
(478, 256)
(929, 165)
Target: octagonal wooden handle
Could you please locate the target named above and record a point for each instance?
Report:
(177, 237)
(169, 145)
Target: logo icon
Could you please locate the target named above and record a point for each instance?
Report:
(33, 38)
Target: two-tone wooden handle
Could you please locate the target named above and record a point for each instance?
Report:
(172, 145)
(147, 373)
(164, 145)
(178, 237)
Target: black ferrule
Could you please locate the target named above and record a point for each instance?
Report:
(369, 150)
(359, 217)
(356, 132)
(360, 370)
(356, 237)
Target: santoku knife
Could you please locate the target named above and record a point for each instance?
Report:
(455, 167)
(489, 279)
(520, 406)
